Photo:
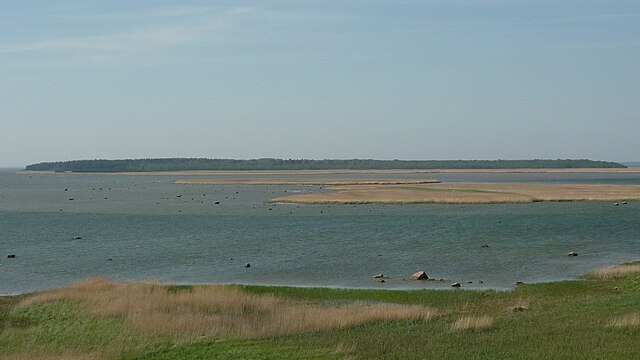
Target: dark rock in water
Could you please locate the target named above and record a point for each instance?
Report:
(66, 189)
(624, 203)
(77, 238)
(519, 283)
(484, 245)
(480, 282)
(469, 282)
(572, 253)
(217, 203)
(456, 285)
(616, 204)
(247, 265)
(378, 276)
(381, 281)
(70, 199)
(110, 259)
(420, 275)
(11, 256)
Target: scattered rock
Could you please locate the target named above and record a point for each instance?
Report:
(615, 288)
(616, 204)
(70, 199)
(456, 285)
(469, 282)
(178, 195)
(484, 245)
(624, 203)
(217, 203)
(519, 283)
(519, 309)
(378, 276)
(381, 281)
(420, 275)
(110, 259)
(11, 256)
(480, 281)
(247, 265)
(77, 238)
(572, 253)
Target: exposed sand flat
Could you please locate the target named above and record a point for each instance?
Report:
(314, 181)
(347, 171)
(467, 193)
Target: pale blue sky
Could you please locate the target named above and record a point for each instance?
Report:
(458, 79)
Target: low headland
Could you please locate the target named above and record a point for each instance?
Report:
(593, 317)
(196, 164)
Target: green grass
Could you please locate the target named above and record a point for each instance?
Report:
(563, 320)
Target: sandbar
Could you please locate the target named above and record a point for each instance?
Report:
(303, 181)
(466, 193)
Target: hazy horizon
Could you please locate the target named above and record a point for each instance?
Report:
(441, 80)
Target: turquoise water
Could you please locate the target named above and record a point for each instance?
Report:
(148, 228)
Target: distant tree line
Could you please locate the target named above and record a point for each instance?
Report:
(177, 164)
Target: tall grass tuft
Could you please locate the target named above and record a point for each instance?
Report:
(625, 321)
(218, 311)
(616, 272)
(472, 323)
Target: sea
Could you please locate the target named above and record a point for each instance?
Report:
(63, 228)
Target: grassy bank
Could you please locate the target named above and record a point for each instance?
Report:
(596, 317)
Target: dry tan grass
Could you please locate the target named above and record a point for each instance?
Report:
(617, 272)
(219, 311)
(629, 320)
(305, 181)
(472, 323)
(468, 193)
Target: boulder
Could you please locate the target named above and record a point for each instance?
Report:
(456, 285)
(518, 283)
(11, 256)
(484, 245)
(380, 281)
(247, 265)
(572, 253)
(378, 276)
(420, 275)
(77, 238)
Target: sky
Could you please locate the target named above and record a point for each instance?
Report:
(334, 79)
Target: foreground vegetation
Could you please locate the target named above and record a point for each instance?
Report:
(182, 164)
(597, 317)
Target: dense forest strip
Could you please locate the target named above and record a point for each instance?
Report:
(182, 164)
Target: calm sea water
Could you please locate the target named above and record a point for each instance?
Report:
(148, 228)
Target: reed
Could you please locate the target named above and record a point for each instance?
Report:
(616, 272)
(625, 321)
(219, 311)
(472, 323)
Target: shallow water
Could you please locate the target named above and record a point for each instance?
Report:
(147, 227)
